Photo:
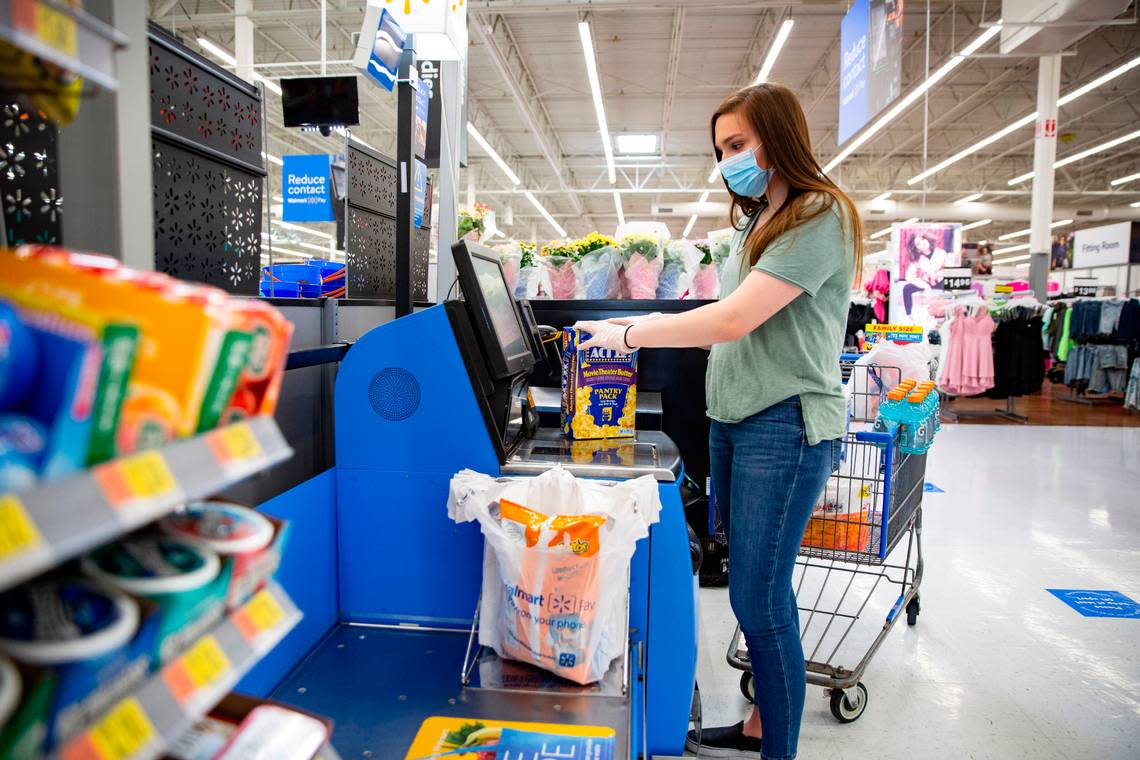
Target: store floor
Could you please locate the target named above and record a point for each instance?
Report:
(1052, 406)
(996, 666)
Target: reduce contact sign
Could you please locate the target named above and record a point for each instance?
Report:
(306, 183)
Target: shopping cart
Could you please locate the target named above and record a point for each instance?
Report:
(853, 551)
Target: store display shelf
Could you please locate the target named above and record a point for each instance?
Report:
(59, 520)
(141, 725)
(64, 35)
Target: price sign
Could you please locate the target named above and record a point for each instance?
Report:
(234, 446)
(140, 477)
(957, 278)
(18, 534)
(259, 614)
(122, 733)
(56, 28)
(202, 665)
(1085, 286)
(1003, 288)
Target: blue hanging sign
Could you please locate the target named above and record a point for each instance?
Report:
(306, 185)
(423, 101)
(378, 50)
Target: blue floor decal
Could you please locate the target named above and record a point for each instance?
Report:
(931, 488)
(1097, 603)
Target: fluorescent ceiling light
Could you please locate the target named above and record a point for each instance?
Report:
(299, 228)
(278, 199)
(596, 91)
(227, 58)
(1012, 249)
(704, 197)
(546, 214)
(968, 199)
(1023, 266)
(689, 226)
(881, 198)
(1012, 259)
(1122, 180)
(1135, 205)
(880, 233)
(1019, 233)
(486, 146)
(636, 144)
(620, 210)
(909, 99)
(1083, 154)
(1025, 120)
(912, 220)
(715, 172)
(774, 51)
(975, 225)
(272, 159)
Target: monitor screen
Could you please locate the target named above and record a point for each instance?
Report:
(317, 101)
(493, 309)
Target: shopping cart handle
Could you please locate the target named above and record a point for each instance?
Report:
(875, 437)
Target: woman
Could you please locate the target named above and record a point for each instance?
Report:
(773, 386)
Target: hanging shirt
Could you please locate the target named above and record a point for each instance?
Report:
(796, 352)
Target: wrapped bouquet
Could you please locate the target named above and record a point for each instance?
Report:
(558, 259)
(706, 283)
(643, 262)
(598, 265)
(680, 267)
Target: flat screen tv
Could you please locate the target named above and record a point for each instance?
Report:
(320, 101)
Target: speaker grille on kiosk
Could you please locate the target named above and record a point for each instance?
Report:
(394, 394)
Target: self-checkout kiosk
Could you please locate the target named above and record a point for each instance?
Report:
(417, 400)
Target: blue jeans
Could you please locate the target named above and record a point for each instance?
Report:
(767, 480)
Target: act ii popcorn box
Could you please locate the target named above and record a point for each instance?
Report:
(599, 389)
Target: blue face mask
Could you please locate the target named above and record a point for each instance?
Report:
(743, 175)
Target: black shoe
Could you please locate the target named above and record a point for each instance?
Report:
(728, 741)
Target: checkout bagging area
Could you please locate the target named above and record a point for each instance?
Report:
(390, 584)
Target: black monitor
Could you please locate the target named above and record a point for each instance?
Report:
(320, 101)
(493, 311)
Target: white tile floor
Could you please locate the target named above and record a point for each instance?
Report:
(996, 667)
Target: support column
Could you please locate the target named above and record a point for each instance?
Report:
(451, 131)
(1044, 155)
(243, 39)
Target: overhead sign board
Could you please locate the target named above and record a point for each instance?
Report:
(1102, 246)
(870, 64)
(379, 48)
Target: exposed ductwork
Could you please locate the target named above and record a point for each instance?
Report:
(891, 211)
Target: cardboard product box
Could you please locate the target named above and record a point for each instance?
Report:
(599, 390)
(188, 352)
(259, 383)
(211, 734)
(22, 737)
(87, 688)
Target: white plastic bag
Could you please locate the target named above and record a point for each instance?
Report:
(681, 261)
(555, 588)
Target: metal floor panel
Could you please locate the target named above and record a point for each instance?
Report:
(379, 684)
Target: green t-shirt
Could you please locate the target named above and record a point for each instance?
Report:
(796, 352)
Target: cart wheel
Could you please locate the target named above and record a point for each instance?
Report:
(912, 610)
(848, 704)
(748, 686)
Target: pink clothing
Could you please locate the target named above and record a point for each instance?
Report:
(969, 357)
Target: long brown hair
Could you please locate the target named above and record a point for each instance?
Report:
(775, 113)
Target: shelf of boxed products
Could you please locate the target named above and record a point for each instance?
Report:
(63, 34)
(59, 520)
(144, 723)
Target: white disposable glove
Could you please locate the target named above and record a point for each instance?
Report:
(635, 320)
(604, 335)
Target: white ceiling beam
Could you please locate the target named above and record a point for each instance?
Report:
(503, 52)
(671, 67)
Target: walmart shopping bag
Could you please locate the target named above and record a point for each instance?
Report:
(556, 565)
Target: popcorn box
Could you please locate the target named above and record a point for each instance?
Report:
(599, 390)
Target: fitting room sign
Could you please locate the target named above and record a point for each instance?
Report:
(1102, 246)
(306, 185)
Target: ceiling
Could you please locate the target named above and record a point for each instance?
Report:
(664, 66)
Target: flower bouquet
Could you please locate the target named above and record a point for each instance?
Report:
(706, 283)
(680, 266)
(471, 222)
(558, 258)
(533, 281)
(643, 262)
(510, 256)
(720, 247)
(598, 264)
